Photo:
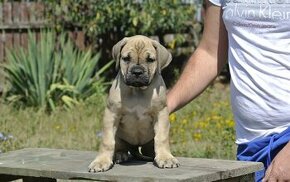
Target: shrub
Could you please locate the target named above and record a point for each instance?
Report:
(123, 18)
(51, 73)
(106, 22)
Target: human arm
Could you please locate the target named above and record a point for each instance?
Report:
(279, 167)
(204, 64)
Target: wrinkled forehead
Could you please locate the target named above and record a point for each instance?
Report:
(139, 48)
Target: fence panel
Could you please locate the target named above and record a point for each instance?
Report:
(17, 17)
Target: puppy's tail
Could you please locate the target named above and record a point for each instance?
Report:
(137, 155)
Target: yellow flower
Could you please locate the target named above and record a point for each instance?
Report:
(197, 136)
(203, 125)
(215, 117)
(230, 123)
(172, 117)
(57, 127)
(184, 121)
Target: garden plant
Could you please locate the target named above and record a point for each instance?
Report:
(51, 72)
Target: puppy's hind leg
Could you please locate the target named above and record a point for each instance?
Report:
(147, 152)
(148, 149)
(121, 151)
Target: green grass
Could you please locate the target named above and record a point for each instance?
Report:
(71, 129)
(204, 128)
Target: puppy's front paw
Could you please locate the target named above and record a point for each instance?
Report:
(166, 161)
(101, 164)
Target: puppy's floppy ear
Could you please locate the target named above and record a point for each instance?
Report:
(116, 51)
(163, 55)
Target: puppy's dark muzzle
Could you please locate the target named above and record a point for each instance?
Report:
(137, 71)
(137, 77)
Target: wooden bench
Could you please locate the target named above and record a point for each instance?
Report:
(42, 165)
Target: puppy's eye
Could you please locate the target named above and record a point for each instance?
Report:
(150, 60)
(126, 59)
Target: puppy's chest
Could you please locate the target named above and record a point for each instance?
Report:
(136, 126)
(137, 116)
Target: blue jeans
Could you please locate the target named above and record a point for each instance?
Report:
(263, 150)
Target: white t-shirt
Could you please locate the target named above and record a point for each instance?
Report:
(259, 60)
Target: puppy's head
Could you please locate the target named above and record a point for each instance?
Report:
(139, 58)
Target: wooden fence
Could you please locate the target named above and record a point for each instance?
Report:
(17, 17)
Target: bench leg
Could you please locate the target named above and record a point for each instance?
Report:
(38, 179)
(6, 178)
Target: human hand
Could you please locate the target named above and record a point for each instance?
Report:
(280, 167)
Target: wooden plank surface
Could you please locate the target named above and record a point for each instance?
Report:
(71, 164)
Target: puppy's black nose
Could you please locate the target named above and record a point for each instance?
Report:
(137, 70)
